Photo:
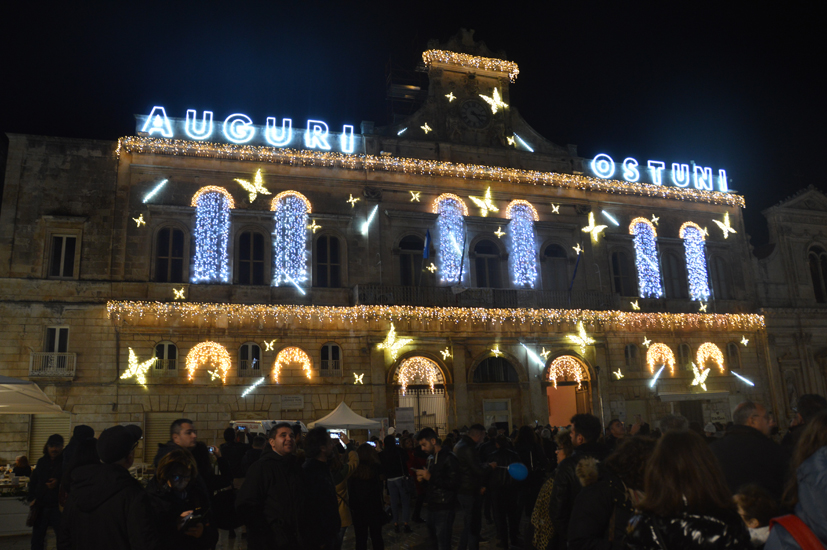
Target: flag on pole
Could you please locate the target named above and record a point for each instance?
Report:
(426, 252)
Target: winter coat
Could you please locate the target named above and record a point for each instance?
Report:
(167, 508)
(712, 531)
(366, 501)
(45, 470)
(812, 503)
(500, 480)
(250, 457)
(234, 454)
(268, 500)
(441, 489)
(318, 516)
(393, 461)
(107, 509)
(164, 449)
(748, 456)
(471, 470)
(340, 478)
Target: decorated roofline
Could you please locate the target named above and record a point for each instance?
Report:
(471, 62)
(304, 157)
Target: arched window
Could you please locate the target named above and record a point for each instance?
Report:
(694, 244)
(166, 355)
(212, 229)
(817, 259)
(646, 258)
(487, 264)
(410, 260)
(522, 254)
(250, 263)
(169, 256)
(451, 235)
(331, 360)
(556, 267)
(720, 278)
(685, 357)
(624, 282)
(290, 238)
(674, 278)
(328, 273)
(733, 356)
(249, 359)
(495, 370)
(632, 358)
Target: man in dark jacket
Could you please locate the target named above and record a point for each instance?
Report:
(182, 435)
(233, 451)
(43, 490)
(268, 499)
(505, 493)
(443, 479)
(806, 407)
(472, 474)
(253, 454)
(107, 507)
(585, 431)
(319, 520)
(748, 455)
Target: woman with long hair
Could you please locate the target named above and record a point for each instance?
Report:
(687, 503)
(542, 529)
(532, 455)
(395, 469)
(44, 491)
(366, 505)
(806, 491)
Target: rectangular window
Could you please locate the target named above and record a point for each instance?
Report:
(62, 262)
(57, 340)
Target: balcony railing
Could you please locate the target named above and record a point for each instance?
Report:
(480, 297)
(46, 364)
(249, 367)
(331, 368)
(164, 365)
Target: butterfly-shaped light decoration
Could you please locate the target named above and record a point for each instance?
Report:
(446, 353)
(353, 200)
(314, 226)
(496, 351)
(635, 305)
(618, 374)
(268, 346)
(511, 141)
(139, 220)
(179, 293)
(214, 374)
(655, 219)
(555, 208)
(646, 341)
(595, 230)
(432, 268)
(426, 128)
(544, 354)
(495, 101)
(577, 249)
(703, 307)
(415, 195)
(744, 340)
(136, 369)
(485, 204)
(725, 227)
(581, 338)
(392, 344)
(358, 378)
(700, 376)
(254, 188)
(450, 96)
(499, 232)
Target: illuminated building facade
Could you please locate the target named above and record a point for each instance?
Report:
(456, 262)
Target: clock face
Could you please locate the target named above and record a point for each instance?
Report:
(474, 114)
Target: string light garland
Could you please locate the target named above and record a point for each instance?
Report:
(708, 351)
(358, 378)
(417, 369)
(694, 245)
(139, 221)
(646, 258)
(178, 293)
(725, 227)
(655, 378)
(154, 191)
(471, 62)
(581, 338)
(330, 159)
(290, 242)
(699, 376)
(523, 254)
(392, 344)
(660, 354)
(212, 353)
(745, 380)
(563, 367)
(254, 188)
(484, 203)
(292, 355)
(451, 232)
(136, 369)
(212, 235)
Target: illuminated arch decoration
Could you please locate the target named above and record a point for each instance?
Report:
(290, 238)
(523, 254)
(417, 369)
(646, 258)
(212, 234)
(292, 355)
(708, 351)
(451, 232)
(694, 244)
(566, 366)
(660, 354)
(208, 352)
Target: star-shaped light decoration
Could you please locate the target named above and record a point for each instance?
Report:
(725, 227)
(214, 374)
(358, 378)
(496, 350)
(655, 219)
(544, 354)
(703, 307)
(495, 102)
(744, 340)
(706, 232)
(268, 346)
(426, 128)
(581, 338)
(136, 369)
(254, 188)
(700, 376)
(314, 226)
(450, 96)
(139, 220)
(484, 203)
(646, 341)
(446, 353)
(555, 208)
(179, 293)
(635, 305)
(577, 249)
(353, 200)
(511, 141)
(415, 195)
(432, 268)
(499, 232)
(392, 344)
(595, 230)
(618, 374)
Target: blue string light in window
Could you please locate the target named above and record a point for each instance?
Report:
(290, 238)
(646, 258)
(694, 244)
(212, 229)
(523, 254)
(451, 235)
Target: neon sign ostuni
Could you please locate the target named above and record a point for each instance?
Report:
(681, 175)
(239, 128)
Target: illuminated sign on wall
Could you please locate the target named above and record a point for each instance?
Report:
(239, 128)
(655, 172)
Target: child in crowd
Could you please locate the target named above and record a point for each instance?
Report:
(756, 507)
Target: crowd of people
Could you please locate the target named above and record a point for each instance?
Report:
(543, 488)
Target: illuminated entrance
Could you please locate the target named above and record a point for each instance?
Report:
(568, 389)
(420, 385)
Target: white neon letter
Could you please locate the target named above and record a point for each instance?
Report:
(239, 128)
(723, 187)
(347, 140)
(316, 136)
(603, 166)
(275, 137)
(680, 174)
(191, 126)
(656, 167)
(703, 178)
(157, 121)
(630, 171)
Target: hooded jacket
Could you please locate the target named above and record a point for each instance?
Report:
(107, 509)
(748, 456)
(471, 470)
(167, 508)
(45, 470)
(712, 531)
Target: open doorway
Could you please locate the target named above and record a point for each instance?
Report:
(568, 390)
(419, 385)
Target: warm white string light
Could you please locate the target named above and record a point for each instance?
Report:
(708, 351)
(660, 354)
(646, 258)
(523, 254)
(417, 369)
(209, 352)
(566, 366)
(212, 234)
(290, 242)
(694, 245)
(136, 369)
(292, 355)
(451, 231)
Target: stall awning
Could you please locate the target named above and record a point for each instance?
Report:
(24, 397)
(344, 418)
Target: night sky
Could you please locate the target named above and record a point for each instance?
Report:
(724, 84)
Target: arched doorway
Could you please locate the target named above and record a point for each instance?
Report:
(419, 386)
(568, 389)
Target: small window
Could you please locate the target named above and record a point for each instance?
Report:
(720, 278)
(495, 370)
(331, 360)
(556, 268)
(632, 358)
(674, 276)
(57, 340)
(624, 279)
(169, 256)
(685, 357)
(817, 260)
(487, 263)
(733, 356)
(62, 262)
(249, 359)
(410, 260)
(251, 258)
(328, 272)
(166, 355)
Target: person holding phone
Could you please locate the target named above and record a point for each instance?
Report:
(43, 491)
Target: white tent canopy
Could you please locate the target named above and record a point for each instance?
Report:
(24, 397)
(344, 418)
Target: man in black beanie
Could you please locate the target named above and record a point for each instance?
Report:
(107, 507)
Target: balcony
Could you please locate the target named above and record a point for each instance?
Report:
(249, 368)
(330, 368)
(44, 364)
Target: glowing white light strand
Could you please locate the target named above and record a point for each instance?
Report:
(450, 231)
(534, 356)
(566, 366)
(212, 236)
(657, 375)
(610, 217)
(523, 256)
(523, 143)
(253, 386)
(136, 369)
(746, 380)
(290, 242)
(292, 355)
(694, 246)
(191, 127)
(208, 352)
(417, 369)
(366, 225)
(646, 258)
(154, 191)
